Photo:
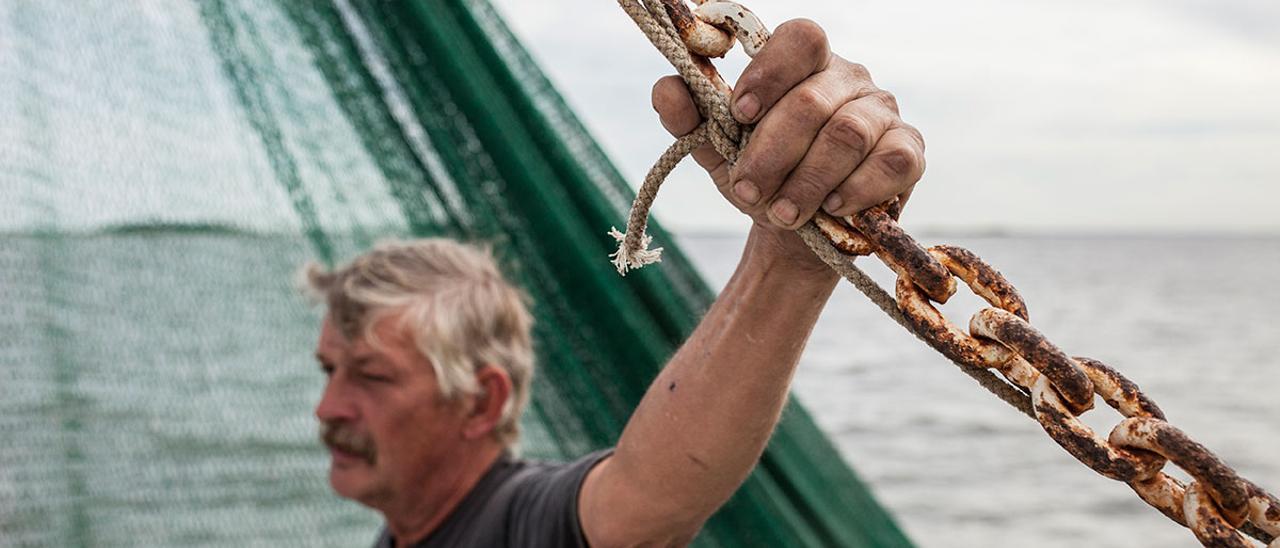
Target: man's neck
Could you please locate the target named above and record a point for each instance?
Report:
(412, 520)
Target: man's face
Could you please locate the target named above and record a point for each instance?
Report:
(382, 416)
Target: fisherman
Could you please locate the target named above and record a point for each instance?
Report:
(428, 353)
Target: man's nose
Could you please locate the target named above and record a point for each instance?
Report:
(334, 405)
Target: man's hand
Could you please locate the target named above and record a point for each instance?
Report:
(826, 137)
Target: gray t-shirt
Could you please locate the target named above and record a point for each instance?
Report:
(516, 503)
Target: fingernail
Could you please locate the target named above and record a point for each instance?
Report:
(748, 107)
(832, 203)
(784, 212)
(747, 192)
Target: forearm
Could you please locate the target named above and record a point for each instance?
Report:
(705, 420)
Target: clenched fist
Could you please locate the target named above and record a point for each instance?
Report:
(826, 136)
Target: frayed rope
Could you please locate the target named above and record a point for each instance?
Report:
(627, 258)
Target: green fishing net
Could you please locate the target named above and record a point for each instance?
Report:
(165, 167)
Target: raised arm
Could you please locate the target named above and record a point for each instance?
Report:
(826, 137)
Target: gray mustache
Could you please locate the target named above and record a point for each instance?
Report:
(341, 436)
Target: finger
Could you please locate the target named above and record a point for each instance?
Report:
(906, 195)
(841, 145)
(675, 106)
(784, 135)
(892, 167)
(715, 165)
(679, 115)
(797, 50)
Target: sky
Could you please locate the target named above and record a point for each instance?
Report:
(1157, 116)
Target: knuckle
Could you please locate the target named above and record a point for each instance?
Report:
(915, 135)
(850, 132)
(811, 100)
(887, 99)
(710, 160)
(859, 71)
(807, 183)
(754, 74)
(756, 168)
(899, 161)
(742, 169)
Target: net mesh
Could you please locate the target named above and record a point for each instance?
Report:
(165, 168)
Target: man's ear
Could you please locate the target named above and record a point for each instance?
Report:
(487, 404)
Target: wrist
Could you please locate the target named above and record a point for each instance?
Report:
(778, 252)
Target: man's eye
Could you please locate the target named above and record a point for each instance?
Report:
(328, 371)
(374, 378)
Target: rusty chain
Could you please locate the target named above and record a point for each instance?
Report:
(1219, 506)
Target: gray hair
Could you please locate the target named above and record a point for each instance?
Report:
(460, 311)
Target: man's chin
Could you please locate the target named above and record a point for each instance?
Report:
(350, 476)
(349, 483)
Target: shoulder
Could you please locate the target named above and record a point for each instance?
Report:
(518, 503)
(535, 472)
(541, 499)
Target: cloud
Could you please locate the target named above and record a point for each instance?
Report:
(1039, 115)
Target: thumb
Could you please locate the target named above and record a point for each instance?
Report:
(679, 115)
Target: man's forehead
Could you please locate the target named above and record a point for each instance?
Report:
(333, 344)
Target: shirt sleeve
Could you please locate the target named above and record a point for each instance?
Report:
(544, 509)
